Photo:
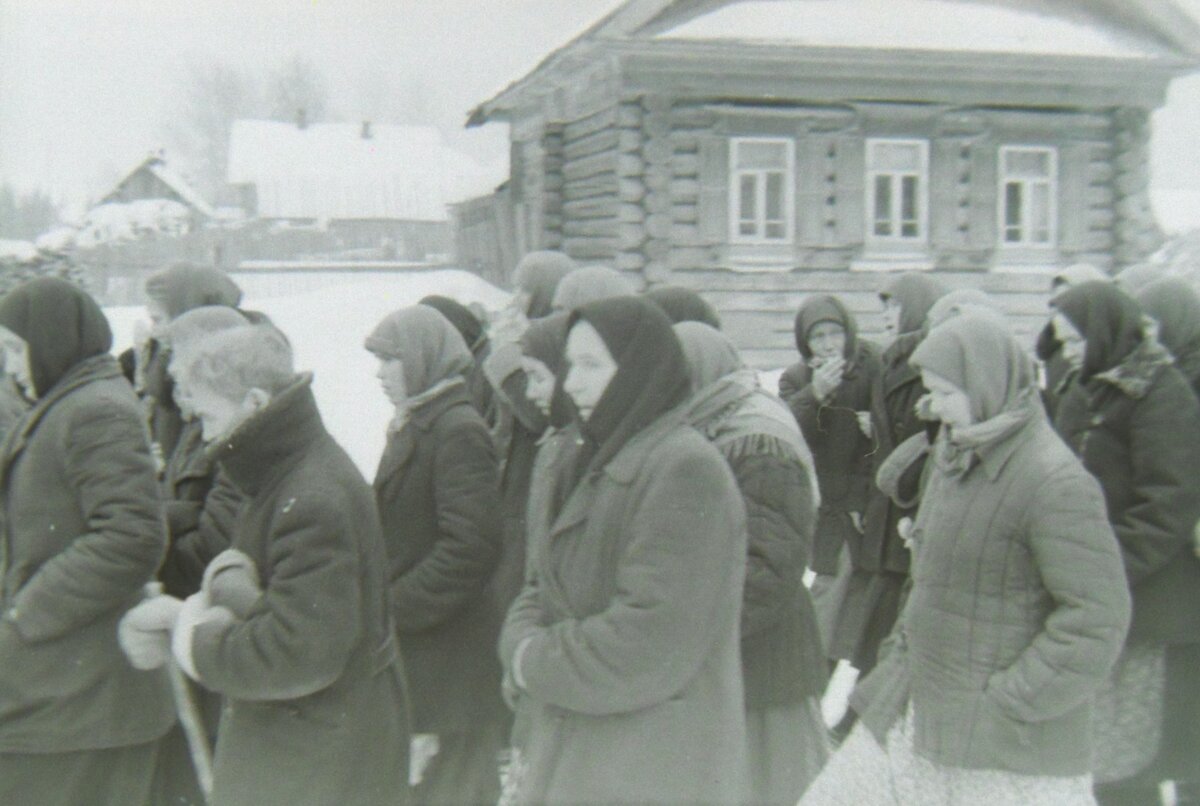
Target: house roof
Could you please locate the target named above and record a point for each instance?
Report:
(332, 171)
(1132, 30)
(155, 165)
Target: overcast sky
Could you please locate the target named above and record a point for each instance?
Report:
(88, 87)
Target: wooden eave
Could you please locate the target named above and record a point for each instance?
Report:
(725, 70)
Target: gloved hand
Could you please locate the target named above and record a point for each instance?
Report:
(144, 633)
(195, 611)
(231, 581)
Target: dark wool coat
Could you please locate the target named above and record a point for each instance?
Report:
(83, 533)
(841, 452)
(438, 498)
(1017, 612)
(633, 678)
(894, 396)
(315, 703)
(1140, 438)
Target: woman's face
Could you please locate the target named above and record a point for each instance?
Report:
(1074, 345)
(946, 401)
(891, 316)
(539, 383)
(16, 361)
(391, 378)
(827, 340)
(218, 414)
(592, 367)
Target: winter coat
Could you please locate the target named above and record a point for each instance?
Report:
(83, 533)
(843, 454)
(894, 395)
(315, 702)
(1140, 438)
(201, 507)
(1017, 612)
(438, 500)
(633, 679)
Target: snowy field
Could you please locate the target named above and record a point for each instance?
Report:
(327, 319)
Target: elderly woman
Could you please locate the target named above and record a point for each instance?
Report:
(783, 664)
(1139, 435)
(623, 647)
(438, 500)
(1017, 610)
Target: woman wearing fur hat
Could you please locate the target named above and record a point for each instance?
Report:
(1017, 610)
(1139, 435)
(304, 654)
(437, 494)
(82, 535)
(783, 663)
(623, 647)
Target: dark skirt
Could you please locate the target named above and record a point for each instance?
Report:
(119, 776)
(868, 613)
(466, 769)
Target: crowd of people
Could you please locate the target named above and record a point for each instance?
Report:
(579, 573)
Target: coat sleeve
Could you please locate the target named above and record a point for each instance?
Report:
(678, 575)
(1080, 567)
(524, 618)
(467, 549)
(1165, 441)
(299, 636)
(779, 520)
(108, 462)
(192, 550)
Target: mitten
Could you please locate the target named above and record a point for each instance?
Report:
(231, 581)
(144, 633)
(195, 611)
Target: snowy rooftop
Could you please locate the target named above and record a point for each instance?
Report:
(909, 24)
(331, 171)
(177, 183)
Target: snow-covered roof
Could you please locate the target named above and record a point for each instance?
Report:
(330, 171)
(909, 24)
(177, 183)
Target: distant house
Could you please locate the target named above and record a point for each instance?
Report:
(369, 186)
(758, 150)
(152, 179)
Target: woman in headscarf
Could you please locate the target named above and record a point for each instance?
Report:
(783, 663)
(829, 393)
(83, 535)
(623, 647)
(1139, 436)
(1017, 610)
(1056, 369)
(874, 593)
(437, 493)
(536, 279)
(474, 333)
(1174, 306)
(684, 305)
(588, 284)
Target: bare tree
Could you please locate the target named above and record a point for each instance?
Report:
(298, 85)
(24, 216)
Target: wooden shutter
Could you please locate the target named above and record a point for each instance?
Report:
(946, 167)
(851, 165)
(981, 223)
(1073, 200)
(814, 187)
(714, 200)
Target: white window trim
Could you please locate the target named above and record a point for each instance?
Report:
(922, 238)
(789, 193)
(1001, 224)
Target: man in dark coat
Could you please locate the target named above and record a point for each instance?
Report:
(832, 411)
(308, 665)
(82, 535)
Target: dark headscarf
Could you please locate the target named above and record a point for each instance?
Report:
(684, 305)
(430, 348)
(61, 324)
(651, 376)
(824, 308)
(465, 322)
(589, 284)
(185, 286)
(1108, 319)
(545, 340)
(1175, 305)
(538, 274)
(916, 293)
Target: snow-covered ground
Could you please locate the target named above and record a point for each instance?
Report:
(327, 321)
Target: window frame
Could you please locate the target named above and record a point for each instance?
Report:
(734, 187)
(1002, 181)
(920, 240)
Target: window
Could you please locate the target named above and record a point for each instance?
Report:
(897, 189)
(762, 184)
(1027, 193)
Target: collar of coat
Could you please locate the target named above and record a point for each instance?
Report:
(273, 439)
(425, 409)
(1137, 371)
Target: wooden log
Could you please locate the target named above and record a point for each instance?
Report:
(590, 248)
(1100, 217)
(685, 234)
(630, 213)
(685, 165)
(656, 125)
(630, 261)
(631, 190)
(657, 249)
(630, 165)
(629, 116)
(657, 271)
(685, 213)
(657, 179)
(691, 258)
(630, 236)
(588, 227)
(657, 150)
(684, 190)
(599, 185)
(658, 104)
(658, 202)
(1100, 171)
(598, 121)
(590, 166)
(1099, 196)
(658, 225)
(597, 207)
(629, 141)
(603, 140)
(685, 142)
(692, 117)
